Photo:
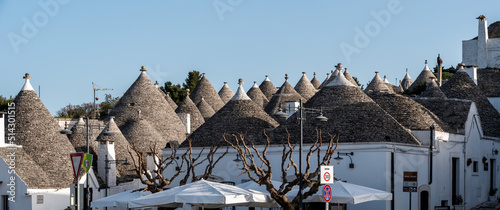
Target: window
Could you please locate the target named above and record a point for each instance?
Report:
(475, 167)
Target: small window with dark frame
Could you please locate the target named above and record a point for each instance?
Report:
(475, 167)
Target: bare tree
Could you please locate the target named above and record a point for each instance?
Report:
(262, 173)
(155, 180)
(192, 162)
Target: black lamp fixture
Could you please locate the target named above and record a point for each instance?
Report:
(348, 154)
(494, 151)
(237, 160)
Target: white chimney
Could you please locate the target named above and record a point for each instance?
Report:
(482, 40)
(472, 71)
(291, 107)
(186, 120)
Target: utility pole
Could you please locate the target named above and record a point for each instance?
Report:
(96, 88)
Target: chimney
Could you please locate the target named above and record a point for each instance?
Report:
(186, 120)
(440, 70)
(482, 40)
(472, 72)
(107, 169)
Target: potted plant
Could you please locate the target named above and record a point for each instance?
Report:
(458, 201)
(493, 192)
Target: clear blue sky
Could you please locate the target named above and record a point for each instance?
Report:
(76, 43)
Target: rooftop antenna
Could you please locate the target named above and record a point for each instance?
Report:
(96, 97)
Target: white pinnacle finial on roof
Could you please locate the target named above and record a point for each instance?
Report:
(426, 68)
(339, 66)
(340, 80)
(27, 84)
(156, 84)
(240, 93)
(303, 73)
(267, 78)
(385, 79)
(188, 91)
(461, 67)
(255, 85)
(143, 69)
(286, 77)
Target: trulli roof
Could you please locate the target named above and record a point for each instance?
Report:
(205, 90)
(351, 114)
(461, 86)
(38, 132)
(144, 96)
(423, 78)
(257, 96)
(205, 109)
(239, 115)
(407, 81)
(225, 93)
(188, 107)
(315, 82)
(377, 85)
(433, 90)
(268, 88)
(305, 88)
(285, 94)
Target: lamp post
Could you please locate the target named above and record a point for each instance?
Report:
(301, 118)
(88, 132)
(348, 154)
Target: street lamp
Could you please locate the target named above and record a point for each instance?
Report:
(301, 118)
(88, 132)
(348, 154)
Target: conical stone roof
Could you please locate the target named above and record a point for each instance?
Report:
(38, 132)
(348, 76)
(257, 96)
(28, 170)
(204, 89)
(268, 88)
(335, 74)
(407, 81)
(125, 172)
(378, 86)
(450, 110)
(142, 134)
(325, 81)
(461, 86)
(315, 82)
(78, 138)
(433, 90)
(239, 115)
(225, 93)
(423, 78)
(285, 94)
(188, 107)
(142, 95)
(305, 88)
(351, 114)
(409, 113)
(205, 109)
(170, 102)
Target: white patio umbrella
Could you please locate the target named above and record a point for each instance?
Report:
(343, 192)
(119, 200)
(254, 187)
(203, 194)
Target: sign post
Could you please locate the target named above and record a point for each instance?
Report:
(76, 162)
(410, 183)
(327, 194)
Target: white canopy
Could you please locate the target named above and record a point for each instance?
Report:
(347, 193)
(204, 194)
(119, 200)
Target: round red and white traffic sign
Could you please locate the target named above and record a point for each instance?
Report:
(327, 176)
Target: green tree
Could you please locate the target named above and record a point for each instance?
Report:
(447, 73)
(178, 93)
(4, 102)
(108, 104)
(362, 87)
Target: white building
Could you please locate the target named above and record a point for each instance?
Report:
(484, 50)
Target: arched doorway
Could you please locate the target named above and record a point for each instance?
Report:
(424, 197)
